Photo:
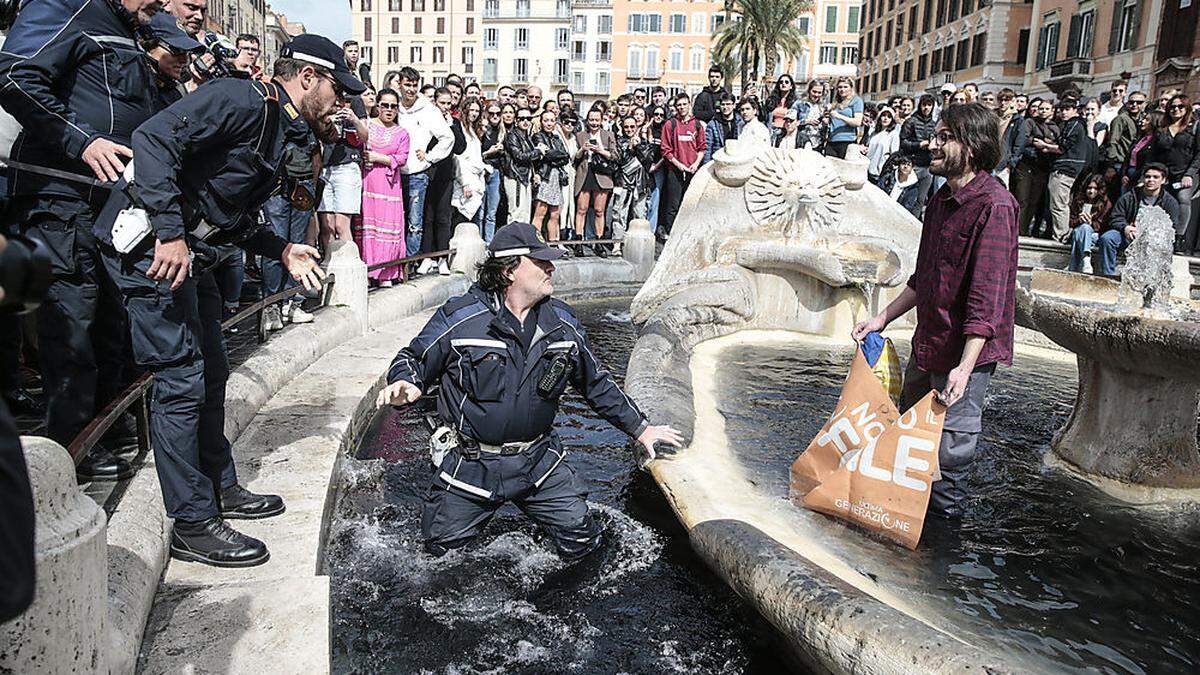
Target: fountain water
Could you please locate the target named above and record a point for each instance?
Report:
(1146, 280)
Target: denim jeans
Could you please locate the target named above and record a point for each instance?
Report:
(655, 193)
(485, 217)
(414, 185)
(1110, 243)
(229, 274)
(1083, 240)
(291, 224)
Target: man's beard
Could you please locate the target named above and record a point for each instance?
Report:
(951, 165)
(320, 123)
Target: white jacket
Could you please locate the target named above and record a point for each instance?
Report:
(424, 122)
(469, 172)
(754, 133)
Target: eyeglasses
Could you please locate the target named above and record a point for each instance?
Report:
(493, 112)
(1179, 106)
(388, 106)
(1134, 101)
(943, 137)
(524, 119)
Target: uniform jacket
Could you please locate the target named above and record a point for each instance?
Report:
(489, 383)
(71, 71)
(217, 154)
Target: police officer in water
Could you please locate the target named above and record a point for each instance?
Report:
(203, 168)
(503, 354)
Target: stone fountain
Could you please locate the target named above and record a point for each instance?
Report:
(1138, 350)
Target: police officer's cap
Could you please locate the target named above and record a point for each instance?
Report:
(522, 239)
(322, 52)
(168, 33)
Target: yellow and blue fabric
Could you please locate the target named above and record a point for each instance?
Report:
(881, 355)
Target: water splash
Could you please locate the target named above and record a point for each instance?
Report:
(1146, 279)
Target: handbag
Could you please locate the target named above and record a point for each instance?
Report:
(602, 165)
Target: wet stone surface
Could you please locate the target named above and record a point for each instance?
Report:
(507, 604)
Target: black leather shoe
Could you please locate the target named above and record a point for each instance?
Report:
(238, 503)
(214, 542)
(122, 435)
(102, 465)
(21, 402)
(602, 250)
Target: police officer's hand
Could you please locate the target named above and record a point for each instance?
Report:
(104, 157)
(301, 262)
(398, 394)
(172, 262)
(659, 434)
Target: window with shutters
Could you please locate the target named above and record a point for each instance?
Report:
(439, 54)
(912, 22)
(883, 82)
(468, 59)
(1127, 15)
(604, 51)
(522, 9)
(491, 9)
(561, 38)
(978, 49)
(491, 38)
(678, 24)
(417, 5)
(470, 25)
(696, 59)
(831, 19)
(852, 19)
(899, 29)
(414, 55)
(365, 5)
(948, 59)
(922, 66)
(935, 63)
(562, 9)
(577, 80)
(441, 25)
(604, 24)
(393, 55)
(652, 64)
(927, 16)
(1081, 34)
(439, 5)
(470, 5)
(1047, 46)
(602, 82)
(579, 50)
(417, 26)
(887, 37)
(561, 71)
(964, 53)
(367, 29)
(941, 13)
(395, 25)
(635, 62)
(828, 54)
(521, 38)
(849, 55)
(803, 24)
(716, 22)
(895, 73)
(870, 42)
(395, 5)
(520, 70)
(579, 24)
(908, 71)
(675, 59)
(489, 71)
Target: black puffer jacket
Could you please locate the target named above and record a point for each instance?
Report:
(555, 158)
(917, 128)
(522, 156)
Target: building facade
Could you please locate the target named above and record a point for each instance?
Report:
(437, 37)
(236, 17)
(526, 42)
(916, 46)
(1177, 60)
(833, 48)
(591, 45)
(1086, 45)
(664, 44)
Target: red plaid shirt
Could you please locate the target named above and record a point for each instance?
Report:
(966, 275)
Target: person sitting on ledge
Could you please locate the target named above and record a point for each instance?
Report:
(1089, 213)
(964, 290)
(1121, 228)
(504, 353)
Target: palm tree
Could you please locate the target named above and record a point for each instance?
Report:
(759, 33)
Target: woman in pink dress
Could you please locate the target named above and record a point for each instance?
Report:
(379, 232)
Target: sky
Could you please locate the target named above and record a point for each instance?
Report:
(330, 18)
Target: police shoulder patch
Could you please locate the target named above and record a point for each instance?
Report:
(291, 111)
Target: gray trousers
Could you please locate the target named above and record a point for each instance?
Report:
(960, 431)
(624, 203)
(464, 495)
(1060, 204)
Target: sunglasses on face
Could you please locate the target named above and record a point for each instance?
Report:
(388, 106)
(1136, 102)
(524, 119)
(1179, 106)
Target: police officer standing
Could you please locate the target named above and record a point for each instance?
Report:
(214, 156)
(503, 354)
(73, 75)
(170, 49)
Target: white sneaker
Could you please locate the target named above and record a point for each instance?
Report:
(295, 314)
(272, 319)
(386, 283)
(443, 268)
(427, 265)
(1087, 263)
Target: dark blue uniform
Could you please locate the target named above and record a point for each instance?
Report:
(215, 154)
(489, 374)
(71, 71)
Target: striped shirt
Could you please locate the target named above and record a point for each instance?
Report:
(966, 275)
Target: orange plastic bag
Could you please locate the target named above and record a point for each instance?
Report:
(870, 465)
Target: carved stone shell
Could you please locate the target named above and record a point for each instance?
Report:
(797, 190)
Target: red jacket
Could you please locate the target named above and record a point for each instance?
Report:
(683, 140)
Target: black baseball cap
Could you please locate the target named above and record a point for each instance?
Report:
(321, 51)
(168, 33)
(522, 239)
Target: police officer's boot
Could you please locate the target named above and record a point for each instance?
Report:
(238, 503)
(214, 542)
(102, 465)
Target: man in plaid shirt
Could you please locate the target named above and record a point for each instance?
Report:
(963, 288)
